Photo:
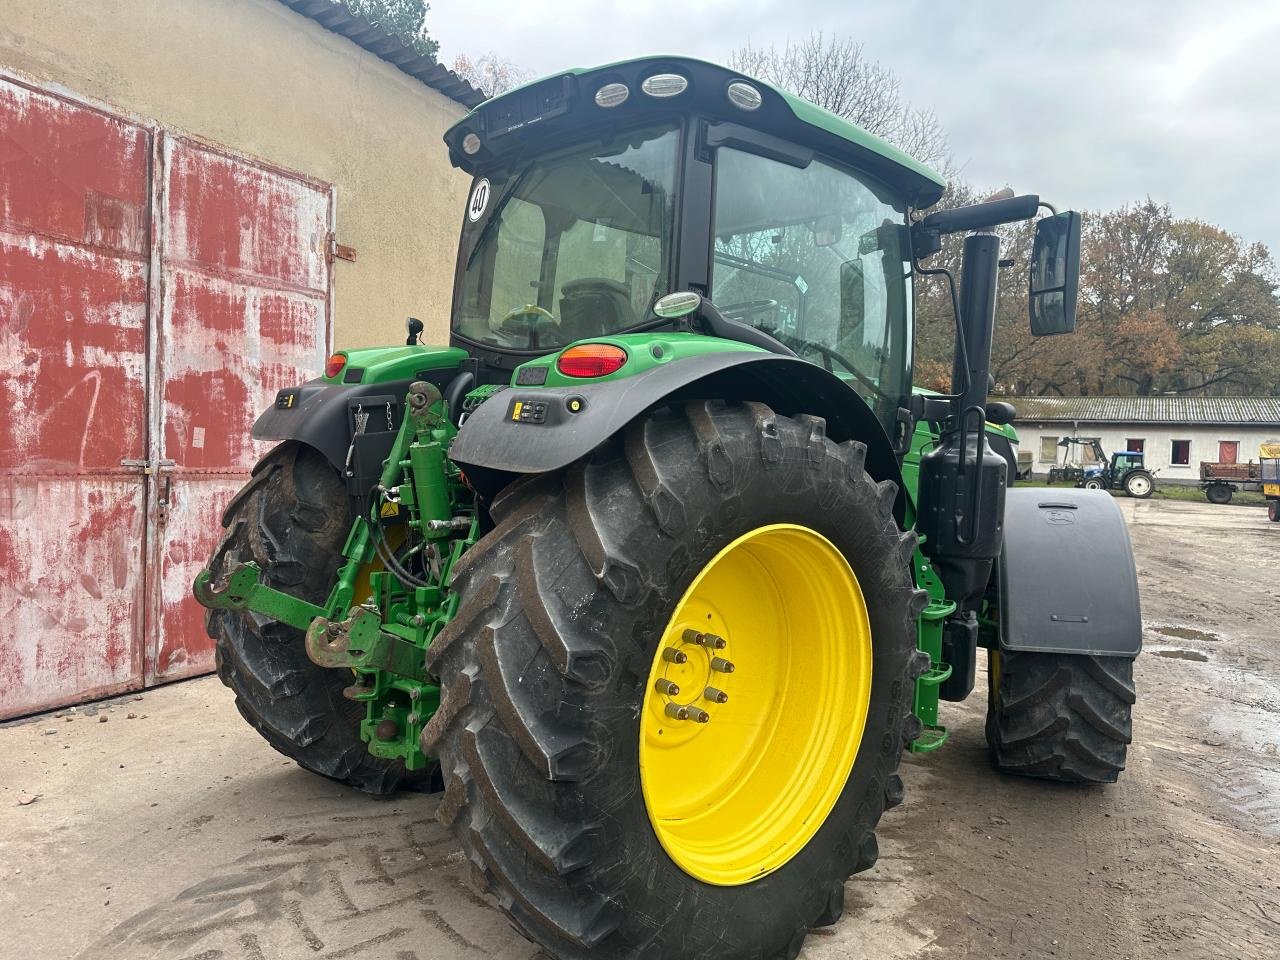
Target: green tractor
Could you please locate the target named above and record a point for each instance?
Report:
(660, 564)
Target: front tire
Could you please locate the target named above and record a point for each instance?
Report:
(545, 671)
(1273, 511)
(292, 517)
(1094, 484)
(1059, 716)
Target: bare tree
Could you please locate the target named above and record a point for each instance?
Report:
(490, 73)
(405, 19)
(835, 73)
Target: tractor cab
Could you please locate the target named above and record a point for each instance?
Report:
(1124, 461)
(596, 193)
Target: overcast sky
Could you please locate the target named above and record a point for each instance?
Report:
(1090, 104)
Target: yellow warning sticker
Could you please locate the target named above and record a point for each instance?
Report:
(390, 509)
(515, 411)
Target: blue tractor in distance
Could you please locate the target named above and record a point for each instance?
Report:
(1125, 470)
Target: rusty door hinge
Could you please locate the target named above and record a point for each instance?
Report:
(340, 251)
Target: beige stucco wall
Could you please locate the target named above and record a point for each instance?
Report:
(261, 80)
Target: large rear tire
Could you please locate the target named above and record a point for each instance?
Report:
(292, 517)
(1059, 716)
(546, 666)
(1139, 484)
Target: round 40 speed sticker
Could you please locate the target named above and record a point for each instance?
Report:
(479, 200)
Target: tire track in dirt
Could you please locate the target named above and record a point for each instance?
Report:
(327, 887)
(1177, 860)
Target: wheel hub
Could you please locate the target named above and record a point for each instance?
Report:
(755, 704)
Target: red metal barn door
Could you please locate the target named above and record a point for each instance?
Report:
(74, 218)
(244, 313)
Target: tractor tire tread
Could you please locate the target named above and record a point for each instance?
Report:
(1061, 716)
(530, 670)
(291, 518)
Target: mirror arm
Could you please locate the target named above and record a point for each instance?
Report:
(981, 216)
(957, 390)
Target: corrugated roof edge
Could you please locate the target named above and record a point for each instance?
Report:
(335, 17)
(1244, 411)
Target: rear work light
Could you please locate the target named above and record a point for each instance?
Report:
(591, 360)
(333, 366)
(612, 95)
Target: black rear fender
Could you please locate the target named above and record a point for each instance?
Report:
(318, 414)
(528, 430)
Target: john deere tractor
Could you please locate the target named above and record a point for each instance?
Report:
(660, 564)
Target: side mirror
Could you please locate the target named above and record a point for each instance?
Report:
(827, 230)
(1055, 274)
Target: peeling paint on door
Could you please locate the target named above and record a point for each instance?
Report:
(73, 294)
(106, 369)
(244, 313)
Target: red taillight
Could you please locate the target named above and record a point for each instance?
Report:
(333, 366)
(591, 360)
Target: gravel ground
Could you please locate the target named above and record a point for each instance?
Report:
(176, 833)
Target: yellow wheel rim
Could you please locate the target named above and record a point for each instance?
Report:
(735, 789)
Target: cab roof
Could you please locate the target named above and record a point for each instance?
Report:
(563, 103)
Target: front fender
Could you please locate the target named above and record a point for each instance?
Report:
(1067, 580)
(527, 430)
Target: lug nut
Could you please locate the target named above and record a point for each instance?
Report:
(715, 696)
(666, 686)
(672, 655)
(698, 715)
(708, 640)
(677, 712)
(723, 665)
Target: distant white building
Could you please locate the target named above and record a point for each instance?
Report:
(1175, 433)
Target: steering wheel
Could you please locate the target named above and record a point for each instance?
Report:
(537, 318)
(827, 354)
(528, 310)
(743, 309)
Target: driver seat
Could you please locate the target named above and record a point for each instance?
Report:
(593, 306)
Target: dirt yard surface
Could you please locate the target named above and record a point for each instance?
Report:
(178, 834)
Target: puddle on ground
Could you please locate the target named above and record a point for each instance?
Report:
(1182, 655)
(1188, 633)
